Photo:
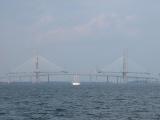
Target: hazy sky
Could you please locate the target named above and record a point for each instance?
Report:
(80, 34)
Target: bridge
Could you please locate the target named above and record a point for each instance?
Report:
(38, 69)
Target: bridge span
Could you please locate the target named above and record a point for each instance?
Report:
(39, 69)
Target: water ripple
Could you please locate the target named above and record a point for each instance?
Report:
(61, 101)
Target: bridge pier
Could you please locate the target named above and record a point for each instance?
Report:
(96, 77)
(90, 77)
(117, 80)
(107, 78)
(48, 77)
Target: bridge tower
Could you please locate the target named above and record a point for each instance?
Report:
(125, 66)
(37, 68)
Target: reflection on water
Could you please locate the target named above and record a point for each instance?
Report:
(90, 101)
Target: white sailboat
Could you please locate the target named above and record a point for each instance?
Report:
(75, 81)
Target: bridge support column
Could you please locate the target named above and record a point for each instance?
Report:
(90, 77)
(48, 78)
(117, 80)
(107, 78)
(96, 77)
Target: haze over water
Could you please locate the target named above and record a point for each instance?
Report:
(90, 101)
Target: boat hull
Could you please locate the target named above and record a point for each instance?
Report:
(75, 83)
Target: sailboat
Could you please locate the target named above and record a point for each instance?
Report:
(75, 81)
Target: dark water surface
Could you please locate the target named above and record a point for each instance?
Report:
(62, 101)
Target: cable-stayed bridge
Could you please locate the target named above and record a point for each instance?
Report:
(38, 69)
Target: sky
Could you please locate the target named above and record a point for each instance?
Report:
(79, 35)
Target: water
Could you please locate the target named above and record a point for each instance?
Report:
(61, 101)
